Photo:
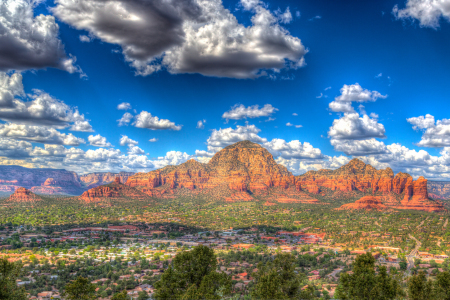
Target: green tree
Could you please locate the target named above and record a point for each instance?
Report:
(193, 276)
(277, 280)
(121, 296)
(80, 289)
(364, 284)
(9, 273)
(442, 286)
(142, 295)
(419, 288)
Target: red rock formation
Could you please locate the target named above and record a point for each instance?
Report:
(240, 167)
(112, 190)
(366, 203)
(357, 176)
(23, 195)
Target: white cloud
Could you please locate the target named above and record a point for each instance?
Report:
(289, 124)
(152, 140)
(427, 12)
(124, 106)
(40, 109)
(135, 150)
(320, 96)
(38, 134)
(315, 18)
(172, 158)
(295, 114)
(10, 88)
(14, 149)
(192, 36)
(292, 149)
(238, 112)
(28, 41)
(200, 124)
(125, 140)
(227, 136)
(284, 17)
(327, 88)
(84, 38)
(98, 141)
(379, 75)
(353, 93)
(359, 147)
(353, 127)
(126, 119)
(436, 134)
(146, 120)
(298, 126)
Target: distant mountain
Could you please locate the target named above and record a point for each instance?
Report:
(52, 181)
(439, 189)
(100, 178)
(246, 171)
(239, 172)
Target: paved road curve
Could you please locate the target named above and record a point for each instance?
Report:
(410, 257)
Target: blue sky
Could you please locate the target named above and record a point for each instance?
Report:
(286, 57)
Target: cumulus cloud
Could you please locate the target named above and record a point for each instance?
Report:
(146, 120)
(292, 149)
(353, 127)
(284, 17)
(10, 88)
(427, 12)
(14, 149)
(353, 93)
(172, 158)
(227, 136)
(126, 119)
(193, 36)
(40, 109)
(84, 38)
(125, 140)
(239, 112)
(38, 134)
(200, 124)
(124, 106)
(152, 140)
(98, 141)
(359, 147)
(30, 42)
(435, 133)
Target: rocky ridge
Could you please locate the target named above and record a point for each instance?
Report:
(243, 168)
(358, 176)
(114, 190)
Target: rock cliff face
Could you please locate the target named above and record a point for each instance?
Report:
(357, 176)
(23, 195)
(242, 167)
(95, 179)
(114, 190)
(439, 189)
(48, 181)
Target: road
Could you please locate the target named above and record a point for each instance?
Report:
(446, 222)
(410, 257)
(334, 273)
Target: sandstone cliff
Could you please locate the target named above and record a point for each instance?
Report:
(114, 190)
(358, 176)
(242, 167)
(439, 189)
(23, 195)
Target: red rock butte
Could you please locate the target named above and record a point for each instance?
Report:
(366, 203)
(399, 191)
(23, 195)
(112, 190)
(245, 168)
(242, 167)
